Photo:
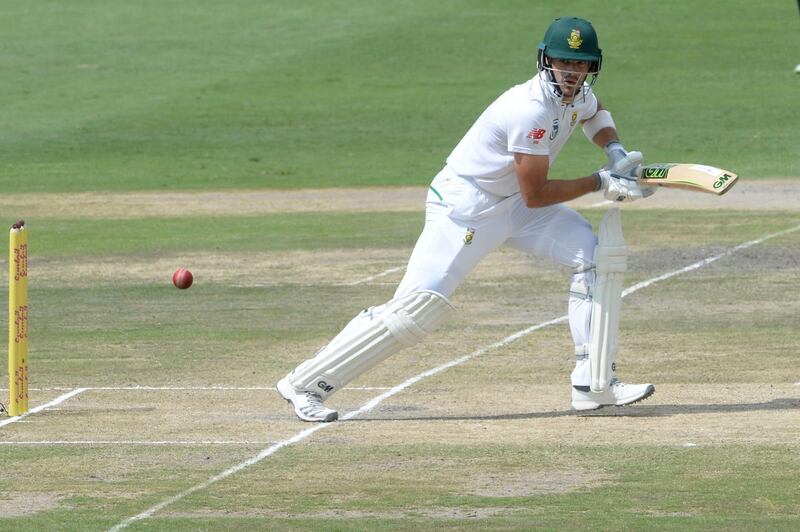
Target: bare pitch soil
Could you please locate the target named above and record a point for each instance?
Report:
(774, 194)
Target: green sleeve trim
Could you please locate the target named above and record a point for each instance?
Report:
(437, 194)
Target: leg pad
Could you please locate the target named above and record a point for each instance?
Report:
(611, 260)
(372, 336)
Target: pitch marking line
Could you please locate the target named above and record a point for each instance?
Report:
(709, 260)
(133, 442)
(188, 388)
(58, 400)
(397, 389)
(211, 388)
(225, 474)
(372, 278)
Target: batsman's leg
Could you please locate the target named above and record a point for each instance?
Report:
(611, 259)
(602, 301)
(372, 336)
(563, 235)
(445, 253)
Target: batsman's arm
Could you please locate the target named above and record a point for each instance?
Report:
(602, 131)
(539, 191)
(600, 128)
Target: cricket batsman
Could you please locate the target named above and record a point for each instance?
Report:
(495, 190)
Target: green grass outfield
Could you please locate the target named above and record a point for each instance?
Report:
(171, 389)
(197, 94)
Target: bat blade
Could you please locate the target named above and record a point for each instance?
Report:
(695, 177)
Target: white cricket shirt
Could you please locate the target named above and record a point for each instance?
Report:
(528, 118)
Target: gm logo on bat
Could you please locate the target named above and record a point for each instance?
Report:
(722, 180)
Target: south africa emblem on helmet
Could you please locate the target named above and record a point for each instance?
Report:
(468, 236)
(575, 40)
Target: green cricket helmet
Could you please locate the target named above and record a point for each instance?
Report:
(570, 39)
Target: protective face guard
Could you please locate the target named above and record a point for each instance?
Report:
(549, 79)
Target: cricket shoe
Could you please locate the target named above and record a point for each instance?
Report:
(617, 394)
(307, 405)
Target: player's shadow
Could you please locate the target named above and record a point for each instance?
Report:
(386, 414)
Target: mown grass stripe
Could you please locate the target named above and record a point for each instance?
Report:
(372, 403)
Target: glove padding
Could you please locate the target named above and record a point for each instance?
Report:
(618, 187)
(616, 154)
(626, 165)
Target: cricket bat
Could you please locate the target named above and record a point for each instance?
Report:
(696, 177)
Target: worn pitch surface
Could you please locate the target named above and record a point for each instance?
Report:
(172, 406)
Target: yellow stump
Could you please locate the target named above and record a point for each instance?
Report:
(18, 319)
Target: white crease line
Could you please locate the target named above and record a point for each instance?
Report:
(58, 400)
(707, 261)
(372, 278)
(225, 474)
(377, 400)
(133, 442)
(210, 388)
(182, 388)
(598, 204)
(413, 380)
(189, 388)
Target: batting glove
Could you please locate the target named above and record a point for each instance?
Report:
(626, 164)
(617, 187)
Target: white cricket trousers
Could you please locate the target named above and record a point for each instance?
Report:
(464, 223)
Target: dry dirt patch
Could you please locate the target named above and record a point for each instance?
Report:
(766, 195)
(260, 269)
(212, 203)
(436, 513)
(681, 415)
(528, 483)
(245, 269)
(27, 503)
(773, 194)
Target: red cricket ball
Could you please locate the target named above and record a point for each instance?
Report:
(182, 278)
